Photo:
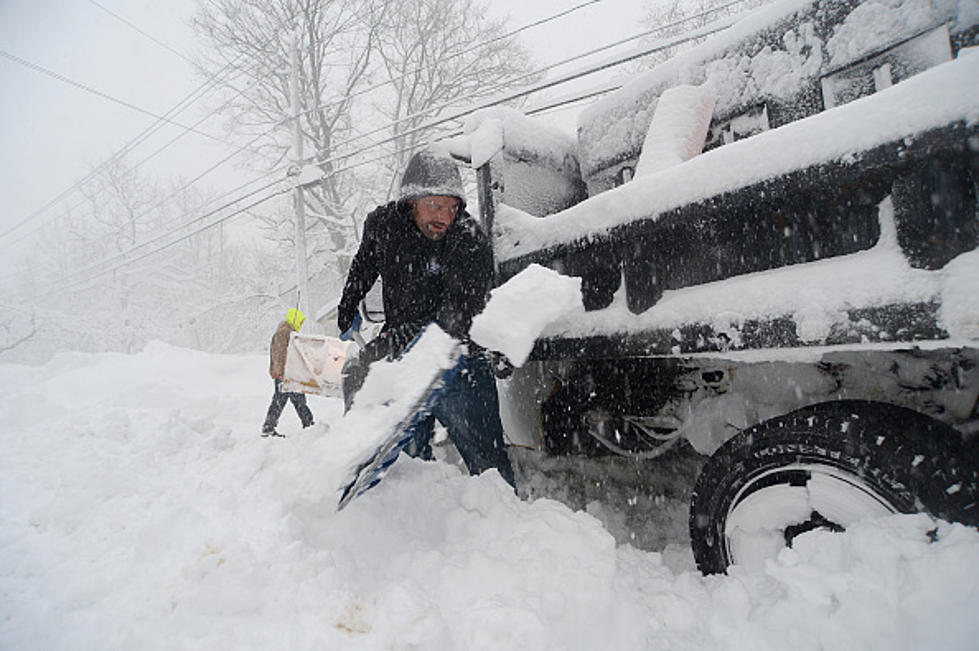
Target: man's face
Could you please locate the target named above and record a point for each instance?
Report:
(434, 215)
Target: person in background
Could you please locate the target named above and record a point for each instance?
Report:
(435, 264)
(277, 366)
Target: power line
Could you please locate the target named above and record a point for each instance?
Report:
(668, 43)
(160, 121)
(214, 79)
(138, 139)
(91, 277)
(154, 239)
(123, 254)
(151, 240)
(89, 89)
(508, 35)
(212, 82)
(137, 29)
(182, 105)
(185, 187)
(184, 133)
(660, 45)
(477, 47)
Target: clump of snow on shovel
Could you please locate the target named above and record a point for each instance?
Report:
(520, 309)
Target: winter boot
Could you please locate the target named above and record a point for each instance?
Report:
(270, 431)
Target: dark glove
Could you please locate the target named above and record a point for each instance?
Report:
(398, 338)
(501, 364)
(354, 327)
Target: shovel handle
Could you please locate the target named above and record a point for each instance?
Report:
(359, 339)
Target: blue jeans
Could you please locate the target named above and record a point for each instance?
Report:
(470, 411)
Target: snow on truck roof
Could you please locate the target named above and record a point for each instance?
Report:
(946, 94)
(742, 67)
(819, 300)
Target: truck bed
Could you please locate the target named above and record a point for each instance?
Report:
(812, 204)
(866, 299)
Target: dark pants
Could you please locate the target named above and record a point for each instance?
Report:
(279, 399)
(469, 410)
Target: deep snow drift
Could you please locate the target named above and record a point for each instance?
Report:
(139, 508)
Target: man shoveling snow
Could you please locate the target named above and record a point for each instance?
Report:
(436, 265)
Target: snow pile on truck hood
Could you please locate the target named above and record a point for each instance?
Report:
(942, 95)
(140, 509)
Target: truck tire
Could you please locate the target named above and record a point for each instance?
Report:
(825, 466)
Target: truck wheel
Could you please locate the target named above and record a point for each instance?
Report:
(825, 466)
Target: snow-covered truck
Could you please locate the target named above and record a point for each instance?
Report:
(776, 234)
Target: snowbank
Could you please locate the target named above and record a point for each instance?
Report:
(141, 509)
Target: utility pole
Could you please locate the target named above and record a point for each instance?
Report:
(302, 271)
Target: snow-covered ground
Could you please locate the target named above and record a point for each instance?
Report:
(140, 509)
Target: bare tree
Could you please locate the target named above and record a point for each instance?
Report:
(101, 278)
(251, 44)
(440, 55)
(120, 205)
(15, 329)
(676, 17)
(371, 71)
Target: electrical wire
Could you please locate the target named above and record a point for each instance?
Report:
(546, 68)
(140, 31)
(91, 277)
(718, 25)
(160, 122)
(656, 47)
(477, 47)
(214, 80)
(89, 89)
(129, 146)
(346, 98)
(156, 238)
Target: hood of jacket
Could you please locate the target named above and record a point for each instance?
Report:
(432, 172)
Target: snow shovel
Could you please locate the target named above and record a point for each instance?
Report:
(395, 397)
(398, 395)
(313, 364)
